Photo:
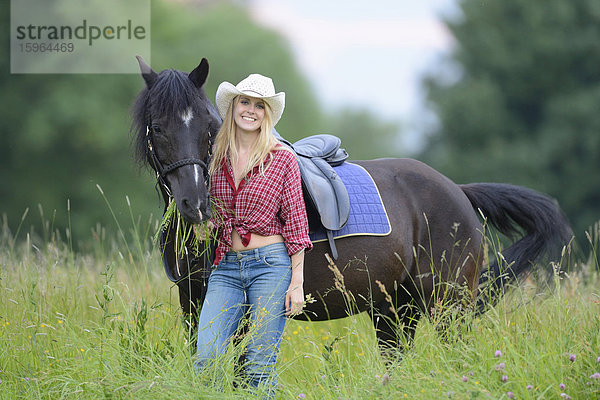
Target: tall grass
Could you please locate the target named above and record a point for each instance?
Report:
(106, 324)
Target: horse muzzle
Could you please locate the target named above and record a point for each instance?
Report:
(194, 210)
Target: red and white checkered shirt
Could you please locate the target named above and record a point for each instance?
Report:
(266, 204)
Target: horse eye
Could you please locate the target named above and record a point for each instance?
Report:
(155, 128)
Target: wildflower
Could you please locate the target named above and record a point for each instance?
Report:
(529, 387)
(471, 373)
(565, 396)
(301, 396)
(562, 386)
(595, 375)
(500, 366)
(572, 357)
(504, 378)
(464, 378)
(498, 353)
(510, 395)
(385, 379)
(598, 360)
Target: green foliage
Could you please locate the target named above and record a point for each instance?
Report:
(99, 326)
(520, 102)
(65, 134)
(363, 135)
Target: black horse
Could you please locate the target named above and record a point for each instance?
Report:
(435, 249)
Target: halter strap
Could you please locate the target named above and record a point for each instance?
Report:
(162, 171)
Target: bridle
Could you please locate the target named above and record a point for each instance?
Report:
(162, 171)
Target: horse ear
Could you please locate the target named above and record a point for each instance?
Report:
(147, 72)
(200, 73)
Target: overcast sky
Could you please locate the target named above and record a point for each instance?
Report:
(364, 53)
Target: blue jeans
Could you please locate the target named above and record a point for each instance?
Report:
(249, 283)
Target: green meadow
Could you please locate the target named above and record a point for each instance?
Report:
(106, 323)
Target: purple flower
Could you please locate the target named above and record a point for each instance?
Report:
(504, 378)
(471, 373)
(500, 366)
(572, 357)
(595, 375)
(385, 379)
(565, 396)
(301, 396)
(598, 360)
(498, 353)
(464, 378)
(562, 386)
(529, 387)
(510, 395)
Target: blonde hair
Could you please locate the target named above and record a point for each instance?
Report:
(225, 142)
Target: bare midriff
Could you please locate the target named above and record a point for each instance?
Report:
(256, 241)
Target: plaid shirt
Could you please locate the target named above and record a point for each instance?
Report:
(267, 204)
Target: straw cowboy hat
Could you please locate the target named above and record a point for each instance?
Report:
(255, 85)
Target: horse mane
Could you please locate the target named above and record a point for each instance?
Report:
(172, 92)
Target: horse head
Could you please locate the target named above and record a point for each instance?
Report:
(174, 122)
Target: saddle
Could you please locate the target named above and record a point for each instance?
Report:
(324, 192)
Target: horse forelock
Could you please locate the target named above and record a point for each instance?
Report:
(173, 94)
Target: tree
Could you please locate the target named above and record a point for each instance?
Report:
(64, 134)
(517, 100)
(364, 135)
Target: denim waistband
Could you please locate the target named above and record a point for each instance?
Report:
(257, 253)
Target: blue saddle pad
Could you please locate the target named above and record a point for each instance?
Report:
(367, 212)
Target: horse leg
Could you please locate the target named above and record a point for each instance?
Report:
(395, 323)
(189, 309)
(192, 290)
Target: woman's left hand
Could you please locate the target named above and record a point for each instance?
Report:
(294, 299)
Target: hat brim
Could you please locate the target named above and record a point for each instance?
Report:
(226, 92)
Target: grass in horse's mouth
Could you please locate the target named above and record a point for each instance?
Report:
(192, 236)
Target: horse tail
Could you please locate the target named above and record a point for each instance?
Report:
(516, 210)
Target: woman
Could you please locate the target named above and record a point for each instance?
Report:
(262, 228)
